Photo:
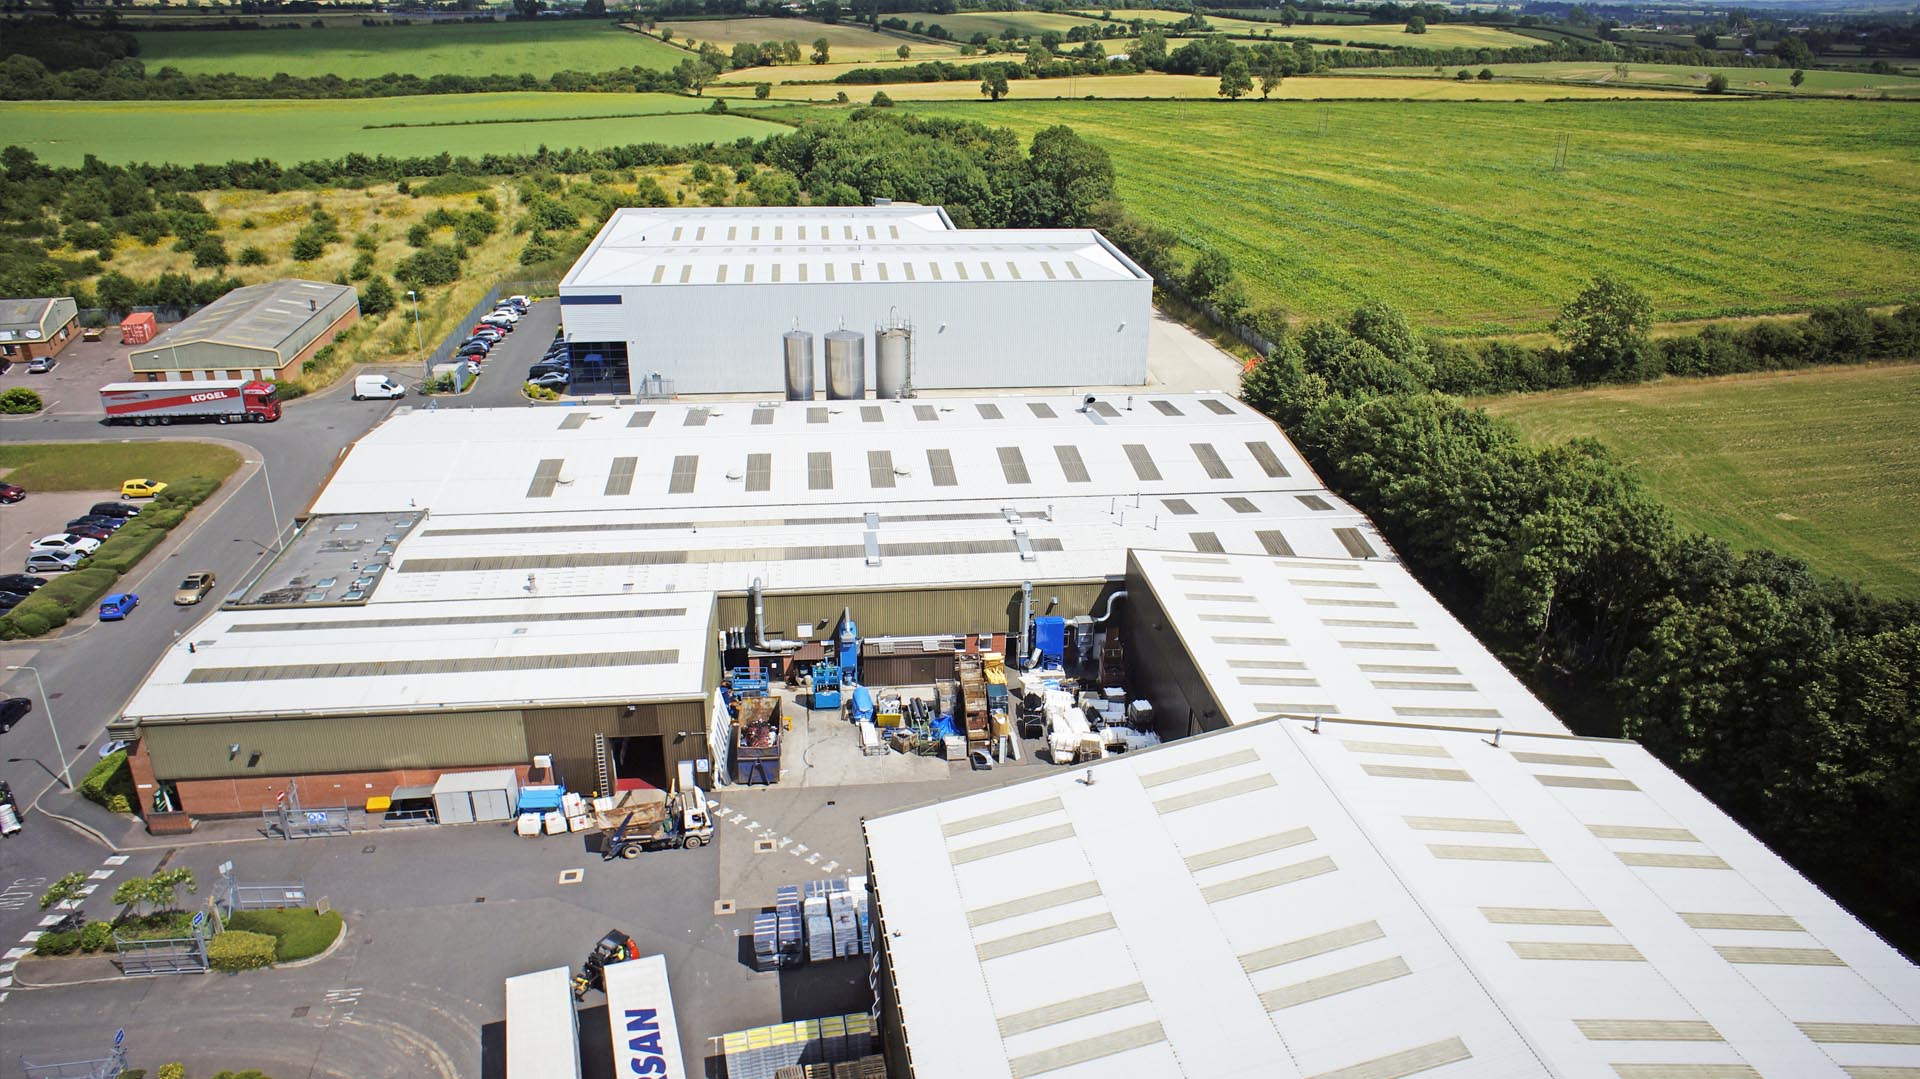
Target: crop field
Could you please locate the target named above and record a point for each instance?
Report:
(197, 132)
(1751, 79)
(1823, 465)
(1320, 18)
(1195, 87)
(539, 48)
(964, 25)
(1438, 35)
(844, 40)
(1455, 213)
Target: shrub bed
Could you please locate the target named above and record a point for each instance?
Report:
(110, 783)
(238, 949)
(20, 401)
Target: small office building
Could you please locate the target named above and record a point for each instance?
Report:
(31, 328)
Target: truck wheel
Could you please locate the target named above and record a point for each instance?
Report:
(166, 421)
(630, 851)
(224, 419)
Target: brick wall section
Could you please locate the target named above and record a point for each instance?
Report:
(141, 766)
(244, 797)
(292, 366)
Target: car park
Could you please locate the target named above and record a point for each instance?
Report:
(21, 583)
(65, 541)
(141, 488)
(40, 365)
(193, 588)
(12, 711)
(12, 492)
(54, 561)
(114, 509)
(117, 606)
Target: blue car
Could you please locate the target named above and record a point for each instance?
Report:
(118, 606)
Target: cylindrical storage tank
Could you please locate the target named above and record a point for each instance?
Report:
(890, 349)
(798, 348)
(846, 366)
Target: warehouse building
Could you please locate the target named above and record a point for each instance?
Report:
(255, 332)
(701, 298)
(30, 328)
(560, 579)
(1375, 892)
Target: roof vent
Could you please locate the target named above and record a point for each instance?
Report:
(881, 201)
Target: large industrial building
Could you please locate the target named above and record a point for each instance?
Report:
(701, 298)
(254, 332)
(476, 587)
(1387, 859)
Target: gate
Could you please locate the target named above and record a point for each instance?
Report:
(294, 821)
(78, 1064)
(168, 955)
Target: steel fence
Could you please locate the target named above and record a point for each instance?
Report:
(445, 350)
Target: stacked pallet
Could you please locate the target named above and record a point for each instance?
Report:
(973, 697)
(808, 1049)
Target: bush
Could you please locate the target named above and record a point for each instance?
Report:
(881, 100)
(109, 777)
(20, 401)
(186, 493)
(172, 1071)
(57, 944)
(43, 607)
(237, 949)
(252, 256)
(96, 936)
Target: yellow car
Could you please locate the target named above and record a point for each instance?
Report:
(141, 488)
(193, 589)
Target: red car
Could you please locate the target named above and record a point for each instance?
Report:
(11, 492)
(90, 532)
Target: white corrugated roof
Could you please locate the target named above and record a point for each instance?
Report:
(710, 496)
(1341, 636)
(445, 654)
(1391, 899)
(831, 244)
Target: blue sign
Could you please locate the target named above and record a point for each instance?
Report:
(119, 1036)
(199, 919)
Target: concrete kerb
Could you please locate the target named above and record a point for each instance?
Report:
(20, 972)
(338, 939)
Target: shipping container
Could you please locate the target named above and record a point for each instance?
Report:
(640, 1016)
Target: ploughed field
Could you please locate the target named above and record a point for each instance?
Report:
(1455, 211)
(1820, 464)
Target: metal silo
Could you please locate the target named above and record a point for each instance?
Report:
(892, 362)
(846, 366)
(798, 348)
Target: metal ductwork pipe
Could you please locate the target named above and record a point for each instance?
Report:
(760, 641)
(1108, 613)
(1026, 619)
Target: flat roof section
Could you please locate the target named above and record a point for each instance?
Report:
(440, 655)
(335, 559)
(1371, 899)
(263, 316)
(1335, 636)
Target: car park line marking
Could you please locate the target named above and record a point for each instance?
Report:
(815, 860)
(799, 848)
(831, 866)
(19, 953)
(755, 825)
(118, 859)
(100, 874)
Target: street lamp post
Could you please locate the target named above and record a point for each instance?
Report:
(426, 368)
(272, 507)
(66, 770)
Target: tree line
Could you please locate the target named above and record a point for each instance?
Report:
(1791, 700)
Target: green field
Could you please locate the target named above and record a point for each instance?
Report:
(103, 466)
(1823, 465)
(197, 132)
(540, 48)
(1750, 79)
(1454, 213)
(1189, 87)
(1438, 35)
(1023, 23)
(844, 40)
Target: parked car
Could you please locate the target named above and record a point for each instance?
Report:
(114, 509)
(540, 370)
(118, 606)
(483, 329)
(521, 302)
(21, 583)
(482, 343)
(498, 320)
(113, 745)
(10, 600)
(54, 561)
(12, 492)
(40, 365)
(193, 588)
(65, 541)
(141, 488)
(13, 710)
(89, 532)
(94, 520)
(552, 380)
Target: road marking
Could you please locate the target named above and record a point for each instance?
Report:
(33, 936)
(100, 874)
(815, 860)
(754, 826)
(118, 859)
(89, 889)
(831, 866)
(799, 848)
(19, 953)
(5, 982)
(7, 967)
(53, 919)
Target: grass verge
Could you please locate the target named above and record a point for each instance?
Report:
(103, 466)
(297, 934)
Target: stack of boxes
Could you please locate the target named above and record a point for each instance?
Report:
(810, 1048)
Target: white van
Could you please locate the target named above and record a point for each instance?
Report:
(376, 387)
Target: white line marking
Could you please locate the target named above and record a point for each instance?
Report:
(89, 889)
(799, 848)
(19, 953)
(815, 860)
(831, 866)
(118, 859)
(52, 919)
(33, 936)
(100, 874)
(7, 967)
(5, 982)
(754, 825)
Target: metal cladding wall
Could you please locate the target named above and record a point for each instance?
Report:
(1159, 666)
(567, 734)
(726, 338)
(914, 612)
(199, 749)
